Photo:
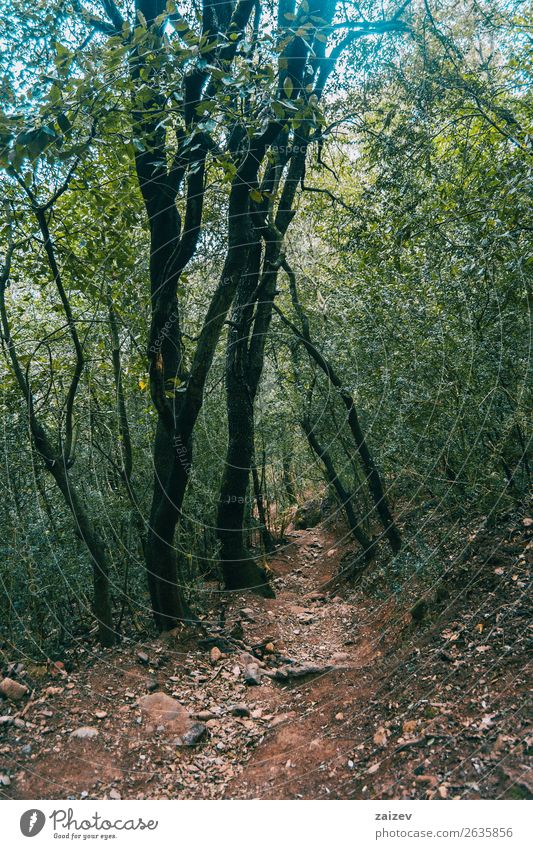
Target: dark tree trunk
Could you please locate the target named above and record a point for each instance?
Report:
(169, 605)
(251, 318)
(238, 566)
(373, 477)
(288, 481)
(266, 536)
(239, 569)
(368, 545)
(102, 606)
(84, 526)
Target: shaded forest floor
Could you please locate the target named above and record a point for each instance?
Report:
(319, 693)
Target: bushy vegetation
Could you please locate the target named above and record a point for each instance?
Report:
(221, 227)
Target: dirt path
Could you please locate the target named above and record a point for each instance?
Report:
(398, 712)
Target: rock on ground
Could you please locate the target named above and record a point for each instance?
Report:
(161, 709)
(85, 733)
(12, 690)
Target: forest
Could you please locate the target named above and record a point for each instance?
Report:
(265, 324)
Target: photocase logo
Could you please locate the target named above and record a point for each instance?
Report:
(32, 822)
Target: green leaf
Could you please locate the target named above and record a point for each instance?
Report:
(63, 122)
(288, 87)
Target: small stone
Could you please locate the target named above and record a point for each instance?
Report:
(381, 736)
(193, 735)
(114, 794)
(339, 716)
(239, 710)
(247, 613)
(151, 685)
(5, 720)
(100, 714)
(316, 595)
(85, 733)
(282, 717)
(143, 658)
(215, 654)
(204, 715)
(251, 675)
(26, 750)
(270, 648)
(12, 690)
(339, 656)
(161, 709)
(374, 768)
(431, 780)
(5, 780)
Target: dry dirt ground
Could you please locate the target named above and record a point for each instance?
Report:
(391, 708)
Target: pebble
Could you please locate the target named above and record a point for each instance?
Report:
(247, 613)
(239, 710)
(339, 656)
(427, 779)
(205, 715)
(251, 675)
(12, 690)
(193, 735)
(85, 732)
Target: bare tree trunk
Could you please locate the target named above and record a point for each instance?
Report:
(368, 545)
(266, 536)
(372, 474)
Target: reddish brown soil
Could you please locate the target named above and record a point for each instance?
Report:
(428, 710)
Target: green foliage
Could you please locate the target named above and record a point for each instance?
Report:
(413, 258)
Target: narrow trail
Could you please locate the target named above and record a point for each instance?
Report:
(389, 711)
